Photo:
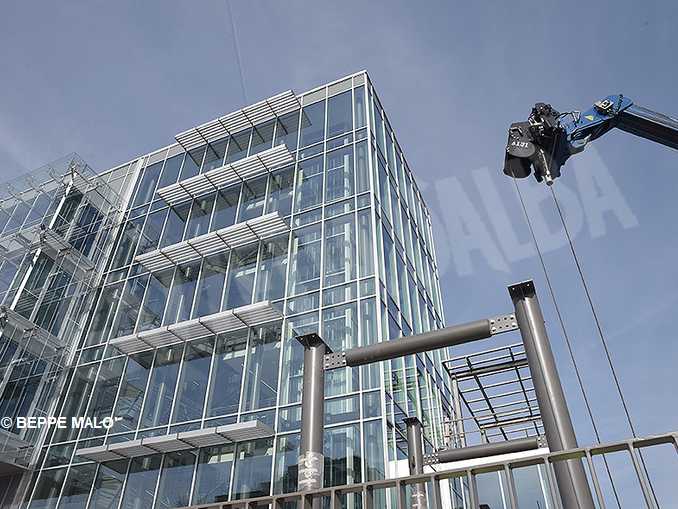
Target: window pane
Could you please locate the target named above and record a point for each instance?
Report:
(305, 271)
(253, 199)
(374, 450)
(261, 376)
(147, 185)
(108, 484)
(359, 96)
(241, 276)
(365, 246)
(176, 222)
(237, 147)
(127, 243)
(229, 363)
(272, 269)
(143, 474)
(225, 208)
(339, 114)
(132, 390)
(192, 163)
(280, 193)
(155, 300)
(201, 211)
(152, 230)
(175, 480)
(287, 130)
(309, 183)
(213, 475)
(194, 375)
(211, 285)
(76, 489)
(170, 172)
(103, 316)
(181, 296)
(362, 167)
(252, 477)
(128, 309)
(214, 158)
(286, 464)
(48, 488)
(262, 137)
(339, 174)
(161, 387)
(342, 456)
(340, 250)
(312, 124)
(105, 390)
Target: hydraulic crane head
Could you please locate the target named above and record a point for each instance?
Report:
(541, 144)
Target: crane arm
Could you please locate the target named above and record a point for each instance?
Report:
(549, 138)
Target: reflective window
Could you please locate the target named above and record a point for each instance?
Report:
(75, 403)
(152, 230)
(170, 171)
(252, 477)
(312, 124)
(211, 285)
(77, 486)
(339, 169)
(287, 130)
(340, 250)
(128, 309)
(342, 456)
(161, 387)
(214, 157)
(241, 276)
(132, 390)
(174, 489)
(181, 295)
(365, 245)
(272, 269)
(48, 488)
(280, 192)
(237, 147)
(128, 243)
(108, 484)
(147, 184)
(227, 374)
(261, 375)
(225, 208)
(309, 184)
(150, 314)
(286, 464)
(102, 320)
(362, 167)
(262, 137)
(253, 199)
(359, 98)
(305, 270)
(140, 485)
(199, 221)
(374, 450)
(339, 114)
(175, 225)
(105, 390)
(195, 371)
(192, 163)
(213, 475)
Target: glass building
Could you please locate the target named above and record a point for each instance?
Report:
(297, 214)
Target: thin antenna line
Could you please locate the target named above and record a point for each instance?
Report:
(236, 48)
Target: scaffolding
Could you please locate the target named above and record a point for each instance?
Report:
(56, 227)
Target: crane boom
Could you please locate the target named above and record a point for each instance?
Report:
(548, 138)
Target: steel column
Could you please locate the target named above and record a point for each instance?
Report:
(311, 458)
(570, 475)
(415, 455)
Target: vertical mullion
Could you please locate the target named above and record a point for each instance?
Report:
(643, 480)
(511, 487)
(594, 477)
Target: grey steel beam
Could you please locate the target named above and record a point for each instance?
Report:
(311, 458)
(415, 453)
(484, 450)
(570, 475)
(433, 340)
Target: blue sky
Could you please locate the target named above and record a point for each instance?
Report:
(112, 80)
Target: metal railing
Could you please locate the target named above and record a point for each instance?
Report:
(333, 495)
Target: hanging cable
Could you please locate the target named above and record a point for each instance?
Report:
(236, 49)
(570, 350)
(601, 336)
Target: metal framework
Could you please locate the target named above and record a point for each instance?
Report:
(496, 388)
(437, 482)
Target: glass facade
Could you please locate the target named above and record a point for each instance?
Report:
(358, 266)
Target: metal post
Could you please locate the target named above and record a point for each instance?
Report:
(415, 454)
(311, 459)
(570, 475)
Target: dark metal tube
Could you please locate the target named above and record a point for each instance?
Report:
(311, 459)
(483, 450)
(570, 474)
(415, 453)
(449, 336)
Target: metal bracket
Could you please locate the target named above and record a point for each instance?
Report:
(431, 459)
(503, 323)
(335, 360)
